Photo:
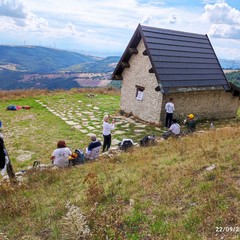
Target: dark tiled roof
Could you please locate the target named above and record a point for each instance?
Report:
(179, 59)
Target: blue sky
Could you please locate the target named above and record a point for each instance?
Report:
(104, 27)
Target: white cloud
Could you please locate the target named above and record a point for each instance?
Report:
(225, 31)
(212, 1)
(224, 20)
(221, 13)
(107, 24)
(172, 19)
(13, 8)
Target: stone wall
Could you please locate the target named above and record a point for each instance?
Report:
(149, 108)
(211, 104)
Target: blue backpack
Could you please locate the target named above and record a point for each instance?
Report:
(11, 108)
(80, 159)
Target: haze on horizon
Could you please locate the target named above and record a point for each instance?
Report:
(104, 27)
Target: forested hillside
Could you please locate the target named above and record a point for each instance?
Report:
(234, 77)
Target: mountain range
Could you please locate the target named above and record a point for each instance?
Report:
(23, 67)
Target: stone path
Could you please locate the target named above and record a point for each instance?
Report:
(90, 121)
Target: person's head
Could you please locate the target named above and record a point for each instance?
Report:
(93, 137)
(105, 118)
(61, 144)
(190, 116)
(174, 120)
(171, 99)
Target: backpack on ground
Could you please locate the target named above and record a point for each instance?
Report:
(26, 107)
(80, 159)
(147, 140)
(11, 108)
(125, 144)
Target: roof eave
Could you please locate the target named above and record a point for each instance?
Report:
(130, 49)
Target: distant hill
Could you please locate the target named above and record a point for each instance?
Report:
(229, 64)
(35, 59)
(21, 67)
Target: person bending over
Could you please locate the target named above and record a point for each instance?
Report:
(173, 131)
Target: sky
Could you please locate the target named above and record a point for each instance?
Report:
(105, 27)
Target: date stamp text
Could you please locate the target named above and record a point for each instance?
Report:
(227, 229)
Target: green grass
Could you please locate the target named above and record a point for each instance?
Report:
(158, 192)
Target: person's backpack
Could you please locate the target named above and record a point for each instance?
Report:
(26, 107)
(125, 144)
(11, 108)
(80, 157)
(147, 140)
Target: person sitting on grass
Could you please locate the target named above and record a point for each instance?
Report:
(190, 122)
(173, 131)
(93, 149)
(60, 155)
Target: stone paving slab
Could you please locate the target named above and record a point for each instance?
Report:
(74, 118)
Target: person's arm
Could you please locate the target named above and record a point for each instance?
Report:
(90, 147)
(112, 125)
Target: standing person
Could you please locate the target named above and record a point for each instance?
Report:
(5, 163)
(107, 127)
(61, 154)
(169, 108)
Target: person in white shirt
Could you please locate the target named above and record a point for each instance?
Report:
(174, 130)
(107, 127)
(93, 149)
(169, 108)
(61, 154)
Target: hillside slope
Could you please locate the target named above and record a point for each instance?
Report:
(20, 64)
(35, 59)
(185, 188)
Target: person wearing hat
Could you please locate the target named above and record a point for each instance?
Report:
(92, 151)
(190, 123)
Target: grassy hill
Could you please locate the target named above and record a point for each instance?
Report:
(160, 192)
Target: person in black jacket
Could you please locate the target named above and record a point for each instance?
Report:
(2, 152)
(5, 164)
